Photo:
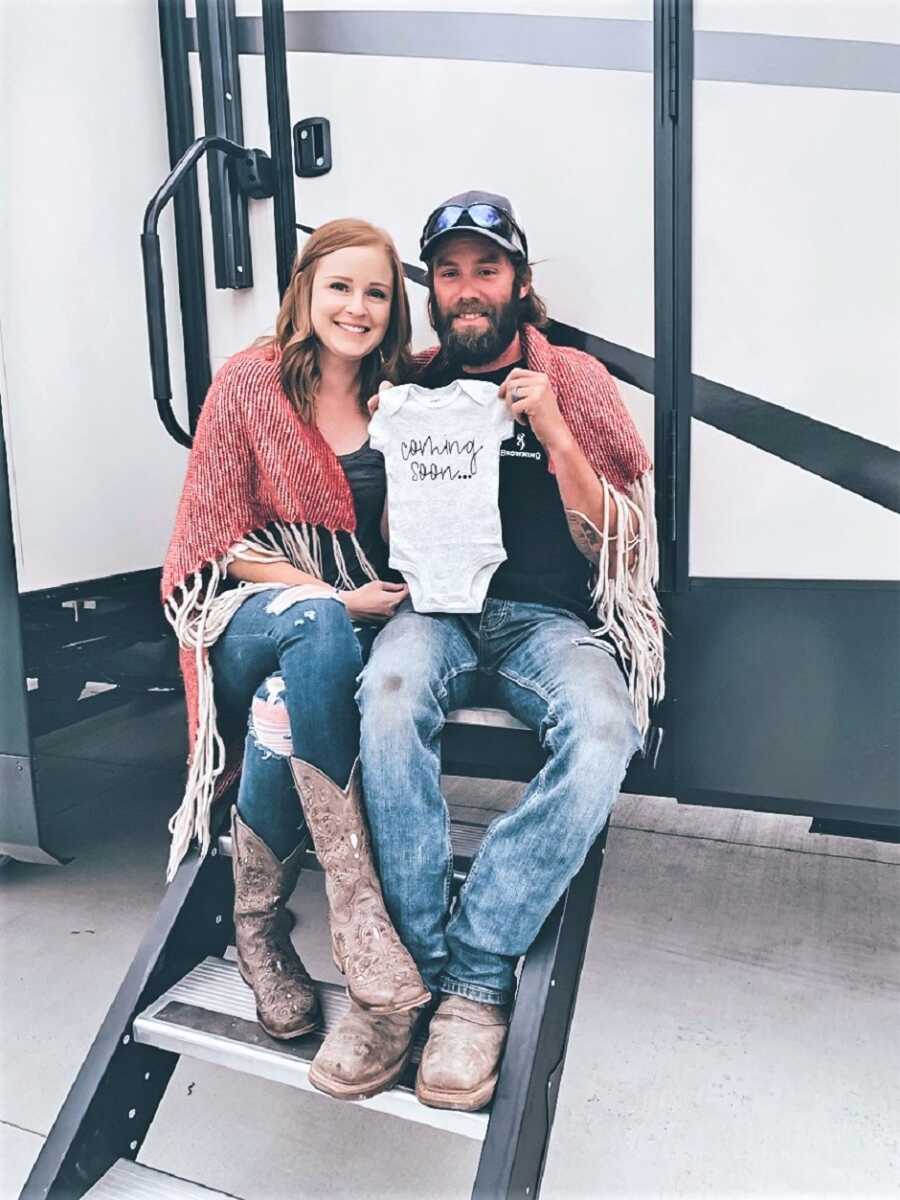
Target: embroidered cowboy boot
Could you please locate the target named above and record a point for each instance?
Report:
(381, 974)
(461, 1060)
(286, 1002)
(365, 1053)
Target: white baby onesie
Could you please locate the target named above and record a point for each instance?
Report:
(441, 449)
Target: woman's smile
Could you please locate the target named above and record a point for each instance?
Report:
(350, 306)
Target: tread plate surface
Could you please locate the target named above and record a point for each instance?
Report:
(210, 1014)
(126, 1180)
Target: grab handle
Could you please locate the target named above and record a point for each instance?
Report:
(154, 290)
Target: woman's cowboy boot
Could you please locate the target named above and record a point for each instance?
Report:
(381, 974)
(365, 1053)
(286, 1001)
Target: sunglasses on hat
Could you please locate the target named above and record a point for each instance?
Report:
(485, 217)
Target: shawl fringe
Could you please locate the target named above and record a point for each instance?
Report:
(199, 612)
(624, 596)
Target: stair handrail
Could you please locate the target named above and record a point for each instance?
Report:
(153, 276)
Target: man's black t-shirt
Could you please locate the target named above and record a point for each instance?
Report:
(542, 564)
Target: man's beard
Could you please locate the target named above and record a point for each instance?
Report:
(473, 348)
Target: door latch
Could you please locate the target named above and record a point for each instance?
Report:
(312, 147)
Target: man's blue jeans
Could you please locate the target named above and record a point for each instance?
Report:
(290, 679)
(543, 666)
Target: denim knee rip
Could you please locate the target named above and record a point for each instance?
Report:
(269, 725)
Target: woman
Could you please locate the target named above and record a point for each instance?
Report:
(272, 583)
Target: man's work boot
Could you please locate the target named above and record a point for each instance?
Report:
(286, 1002)
(461, 1060)
(381, 974)
(365, 1053)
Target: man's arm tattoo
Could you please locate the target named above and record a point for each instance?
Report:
(585, 534)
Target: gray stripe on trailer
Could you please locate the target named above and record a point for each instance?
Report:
(797, 61)
(599, 44)
(594, 43)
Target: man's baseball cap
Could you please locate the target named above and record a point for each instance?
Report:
(485, 213)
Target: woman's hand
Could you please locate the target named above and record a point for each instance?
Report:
(372, 402)
(376, 601)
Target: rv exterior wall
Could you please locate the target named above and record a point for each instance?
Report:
(855, 20)
(94, 477)
(796, 296)
(797, 301)
(796, 273)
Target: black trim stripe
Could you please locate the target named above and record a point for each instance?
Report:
(854, 463)
(627, 365)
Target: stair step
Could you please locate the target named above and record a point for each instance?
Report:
(465, 838)
(126, 1180)
(210, 1014)
(496, 718)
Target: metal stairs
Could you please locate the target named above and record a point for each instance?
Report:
(127, 1180)
(183, 995)
(210, 1015)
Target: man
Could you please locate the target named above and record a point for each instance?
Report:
(576, 507)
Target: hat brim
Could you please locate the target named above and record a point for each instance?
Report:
(427, 250)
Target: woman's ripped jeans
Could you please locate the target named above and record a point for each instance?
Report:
(294, 669)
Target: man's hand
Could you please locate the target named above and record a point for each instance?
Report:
(372, 402)
(376, 601)
(530, 394)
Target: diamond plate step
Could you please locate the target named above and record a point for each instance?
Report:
(210, 1015)
(126, 1180)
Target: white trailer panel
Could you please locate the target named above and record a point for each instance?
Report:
(797, 301)
(94, 478)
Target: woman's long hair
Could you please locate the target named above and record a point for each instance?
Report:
(294, 334)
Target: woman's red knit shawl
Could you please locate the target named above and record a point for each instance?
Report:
(253, 462)
(256, 464)
(590, 403)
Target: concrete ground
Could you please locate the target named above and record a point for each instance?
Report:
(736, 1032)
